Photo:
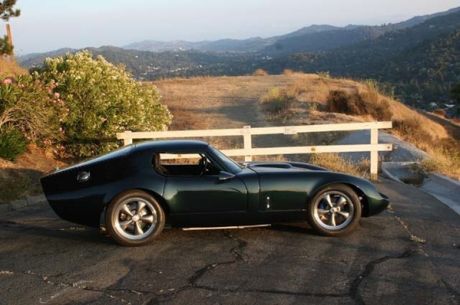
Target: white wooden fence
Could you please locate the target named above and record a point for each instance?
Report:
(247, 132)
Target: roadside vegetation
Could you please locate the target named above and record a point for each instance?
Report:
(100, 99)
(199, 103)
(71, 108)
(312, 96)
(339, 164)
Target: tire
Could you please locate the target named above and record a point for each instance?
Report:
(337, 216)
(129, 227)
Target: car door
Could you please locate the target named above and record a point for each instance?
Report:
(190, 191)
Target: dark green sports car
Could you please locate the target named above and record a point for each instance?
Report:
(136, 190)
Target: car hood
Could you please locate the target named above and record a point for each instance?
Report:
(263, 167)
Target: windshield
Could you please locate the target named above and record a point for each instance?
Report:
(230, 164)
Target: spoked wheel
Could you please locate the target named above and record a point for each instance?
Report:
(135, 218)
(335, 210)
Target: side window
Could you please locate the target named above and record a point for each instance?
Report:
(180, 159)
(184, 164)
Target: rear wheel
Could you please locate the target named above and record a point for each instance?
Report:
(135, 218)
(335, 210)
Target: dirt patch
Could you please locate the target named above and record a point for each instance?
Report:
(22, 178)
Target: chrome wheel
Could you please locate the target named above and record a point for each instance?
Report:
(136, 218)
(333, 211)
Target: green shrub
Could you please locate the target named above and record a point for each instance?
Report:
(102, 100)
(12, 143)
(5, 47)
(29, 106)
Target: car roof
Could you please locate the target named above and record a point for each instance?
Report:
(171, 145)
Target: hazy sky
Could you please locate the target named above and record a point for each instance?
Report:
(50, 24)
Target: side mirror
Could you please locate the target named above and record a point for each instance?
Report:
(223, 176)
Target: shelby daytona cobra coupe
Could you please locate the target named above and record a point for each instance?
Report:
(135, 190)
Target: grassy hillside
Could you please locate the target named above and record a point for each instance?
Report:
(225, 102)
(220, 102)
(421, 62)
(9, 67)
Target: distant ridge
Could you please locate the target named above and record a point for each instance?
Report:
(419, 57)
(313, 38)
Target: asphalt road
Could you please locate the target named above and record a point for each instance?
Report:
(410, 254)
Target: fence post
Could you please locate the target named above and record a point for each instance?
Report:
(127, 140)
(374, 153)
(247, 142)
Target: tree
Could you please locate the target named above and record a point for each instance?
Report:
(7, 11)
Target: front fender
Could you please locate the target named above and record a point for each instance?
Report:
(373, 201)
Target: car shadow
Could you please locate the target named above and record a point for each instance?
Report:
(293, 228)
(65, 232)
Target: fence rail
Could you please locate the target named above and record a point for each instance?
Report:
(247, 132)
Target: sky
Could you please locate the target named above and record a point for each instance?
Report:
(46, 25)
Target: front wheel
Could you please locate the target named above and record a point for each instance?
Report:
(135, 218)
(335, 210)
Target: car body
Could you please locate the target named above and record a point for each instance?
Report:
(216, 191)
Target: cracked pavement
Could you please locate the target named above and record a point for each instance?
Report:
(407, 255)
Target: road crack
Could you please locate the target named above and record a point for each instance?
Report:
(419, 241)
(238, 256)
(368, 269)
(81, 285)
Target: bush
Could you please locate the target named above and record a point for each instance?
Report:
(440, 112)
(5, 47)
(366, 103)
(277, 102)
(324, 74)
(102, 99)
(29, 106)
(260, 72)
(12, 143)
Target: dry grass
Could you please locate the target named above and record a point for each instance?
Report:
(336, 163)
(444, 153)
(216, 102)
(365, 102)
(278, 103)
(232, 102)
(288, 72)
(444, 160)
(9, 68)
